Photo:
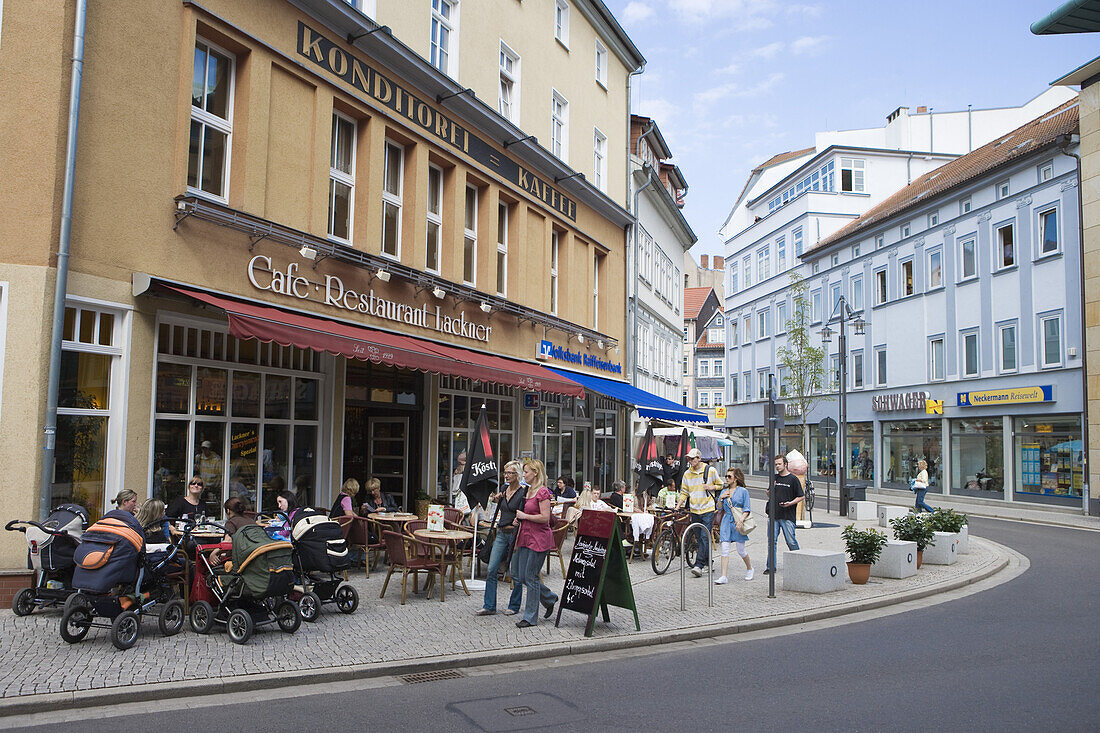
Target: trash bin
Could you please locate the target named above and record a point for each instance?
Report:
(857, 492)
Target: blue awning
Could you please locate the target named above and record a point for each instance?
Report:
(649, 405)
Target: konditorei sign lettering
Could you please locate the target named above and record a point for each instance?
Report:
(333, 293)
(899, 401)
(323, 52)
(1013, 396)
(547, 350)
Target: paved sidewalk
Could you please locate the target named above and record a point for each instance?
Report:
(384, 637)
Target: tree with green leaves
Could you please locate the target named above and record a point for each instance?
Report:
(803, 362)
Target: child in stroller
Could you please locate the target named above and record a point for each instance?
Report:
(117, 579)
(320, 561)
(251, 589)
(50, 549)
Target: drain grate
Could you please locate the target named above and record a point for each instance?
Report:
(520, 711)
(441, 674)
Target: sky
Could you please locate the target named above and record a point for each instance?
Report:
(733, 82)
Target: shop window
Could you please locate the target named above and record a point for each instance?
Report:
(392, 184)
(1049, 457)
(977, 457)
(459, 404)
(211, 120)
(904, 443)
(341, 184)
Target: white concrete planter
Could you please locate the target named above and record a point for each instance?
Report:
(945, 551)
(898, 560)
(862, 510)
(964, 540)
(886, 513)
(813, 571)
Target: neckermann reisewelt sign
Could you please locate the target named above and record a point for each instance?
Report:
(549, 352)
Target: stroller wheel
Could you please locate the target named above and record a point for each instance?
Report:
(239, 626)
(310, 606)
(125, 629)
(289, 616)
(171, 618)
(347, 599)
(75, 622)
(202, 617)
(23, 603)
(76, 599)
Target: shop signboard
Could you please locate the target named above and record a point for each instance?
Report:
(720, 413)
(547, 351)
(1012, 396)
(900, 401)
(530, 400)
(597, 575)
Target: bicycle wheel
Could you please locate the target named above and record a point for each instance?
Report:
(664, 549)
(691, 549)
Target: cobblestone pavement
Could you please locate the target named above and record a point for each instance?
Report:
(35, 660)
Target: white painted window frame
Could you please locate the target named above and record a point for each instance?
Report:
(222, 125)
(392, 199)
(434, 218)
(342, 177)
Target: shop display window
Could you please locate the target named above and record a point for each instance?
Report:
(977, 457)
(1049, 456)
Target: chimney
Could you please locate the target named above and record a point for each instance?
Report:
(718, 263)
(922, 110)
(703, 262)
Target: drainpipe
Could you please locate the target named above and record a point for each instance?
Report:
(1063, 142)
(50, 430)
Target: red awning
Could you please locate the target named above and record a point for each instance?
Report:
(249, 320)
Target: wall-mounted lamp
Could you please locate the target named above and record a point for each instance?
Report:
(383, 275)
(439, 293)
(486, 308)
(308, 252)
(599, 344)
(580, 337)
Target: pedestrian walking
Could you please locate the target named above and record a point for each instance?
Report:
(735, 508)
(781, 505)
(533, 541)
(510, 500)
(920, 486)
(697, 491)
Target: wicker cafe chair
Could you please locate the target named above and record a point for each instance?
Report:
(452, 515)
(560, 528)
(410, 555)
(356, 535)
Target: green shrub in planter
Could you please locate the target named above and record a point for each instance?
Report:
(863, 545)
(946, 520)
(911, 528)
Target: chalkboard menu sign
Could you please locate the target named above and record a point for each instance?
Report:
(597, 575)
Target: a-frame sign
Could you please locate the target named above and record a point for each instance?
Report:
(597, 576)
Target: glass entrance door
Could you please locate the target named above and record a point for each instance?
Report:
(388, 455)
(582, 470)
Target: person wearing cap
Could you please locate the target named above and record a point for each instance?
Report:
(208, 465)
(697, 491)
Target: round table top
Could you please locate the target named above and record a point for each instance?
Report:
(196, 535)
(446, 534)
(393, 516)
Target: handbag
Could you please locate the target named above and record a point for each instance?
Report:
(748, 524)
(486, 550)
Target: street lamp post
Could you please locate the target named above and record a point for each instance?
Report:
(843, 315)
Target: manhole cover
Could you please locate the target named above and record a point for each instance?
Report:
(517, 712)
(441, 674)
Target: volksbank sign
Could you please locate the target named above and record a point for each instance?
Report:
(547, 350)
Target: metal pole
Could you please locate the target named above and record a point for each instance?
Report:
(683, 553)
(842, 436)
(771, 488)
(54, 379)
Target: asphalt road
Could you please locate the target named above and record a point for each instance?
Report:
(1019, 656)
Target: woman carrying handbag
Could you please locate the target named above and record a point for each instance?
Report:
(737, 522)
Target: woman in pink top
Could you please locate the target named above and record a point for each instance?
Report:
(533, 541)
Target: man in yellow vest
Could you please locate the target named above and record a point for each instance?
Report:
(699, 483)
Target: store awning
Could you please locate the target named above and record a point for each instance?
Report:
(649, 405)
(288, 328)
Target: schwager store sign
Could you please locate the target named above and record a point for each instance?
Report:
(549, 352)
(899, 401)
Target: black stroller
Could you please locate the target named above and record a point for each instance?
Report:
(50, 549)
(117, 579)
(320, 559)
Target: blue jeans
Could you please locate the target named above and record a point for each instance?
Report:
(921, 504)
(526, 564)
(703, 536)
(500, 546)
(787, 527)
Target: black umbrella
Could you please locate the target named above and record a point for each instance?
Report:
(648, 465)
(480, 479)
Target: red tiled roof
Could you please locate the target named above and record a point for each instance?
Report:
(783, 158)
(1022, 141)
(693, 301)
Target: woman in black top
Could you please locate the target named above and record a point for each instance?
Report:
(511, 500)
(190, 505)
(376, 501)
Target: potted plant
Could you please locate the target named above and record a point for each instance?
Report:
(864, 547)
(422, 500)
(948, 520)
(911, 528)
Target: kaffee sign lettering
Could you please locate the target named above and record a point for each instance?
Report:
(332, 293)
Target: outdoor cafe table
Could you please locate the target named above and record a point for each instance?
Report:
(451, 557)
(393, 517)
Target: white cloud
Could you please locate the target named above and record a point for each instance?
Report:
(636, 11)
(766, 52)
(731, 69)
(746, 15)
(708, 97)
(808, 44)
(661, 110)
(705, 99)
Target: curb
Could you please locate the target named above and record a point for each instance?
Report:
(151, 692)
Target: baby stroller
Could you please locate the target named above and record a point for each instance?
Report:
(320, 557)
(252, 590)
(117, 579)
(50, 549)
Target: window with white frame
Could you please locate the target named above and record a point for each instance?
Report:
(1050, 330)
(703, 368)
(716, 398)
(968, 259)
(906, 272)
(857, 369)
(685, 366)
(1048, 231)
(906, 230)
(596, 290)
(834, 297)
(763, 324)
(880, 240)
(747, 382)
(796, 239)
(502, 248)
(1003, 190)
(970, 354)
(714, 335)
(733, 278)
(763, 265)
(559, 126)
(1006, 245)
(965, 205)
(211, 120)
(746, 270)
(444, 20)
(601, 63)
(815, 266)
(1046, 171)
(718, 367)
(704, 399)
(763, 379)
(781, 254)
(561, 21)
(937, 362)
(599, 159)
(392, 182)
(834, 371)
(469, 238)
(834, 260)
(781, 317)
(851, 175)
(341, 184)
(434, 237)
(734, 394)
(746, 330)
(933, 218)
(856, 301)
(855, 250)
(555, 252)
(880, 287)
(880, 366)
(508, 94)
(1007, 341)
(815, 306)
(935, 269)
(733, 332)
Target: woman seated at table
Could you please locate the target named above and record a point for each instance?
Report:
(588, 499)
(279, 527)
(376, 501)
(666, 497)
(190, 505)
(151, 517)
(344, 506)
(127, 500)
(234, 515)
(564, 489)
